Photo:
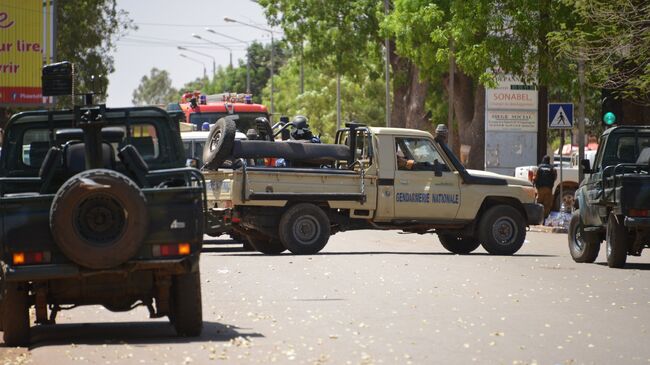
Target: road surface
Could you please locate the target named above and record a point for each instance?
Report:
(375, 297)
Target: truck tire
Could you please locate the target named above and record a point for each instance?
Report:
(617, 241)
(187, 311)
(458, 245)
(583, 246)
(502, 230)
(304, 229)
(218, 146)
(15, 315)
(99, 218)
(265, 245)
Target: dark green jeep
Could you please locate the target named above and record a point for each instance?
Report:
(98, 208)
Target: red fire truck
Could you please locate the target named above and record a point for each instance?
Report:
(203, 110)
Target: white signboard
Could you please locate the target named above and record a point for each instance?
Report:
(510, 125)
(511, 120)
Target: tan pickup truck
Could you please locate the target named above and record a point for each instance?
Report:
(396, 179)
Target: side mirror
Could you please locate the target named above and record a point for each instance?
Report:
(437, 168)
(192, 162)
(586, 168)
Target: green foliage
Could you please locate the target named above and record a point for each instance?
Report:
(86, 35)
(361, 101)
(233, 79)
(339, 35)
(612, 37)
(155, 89)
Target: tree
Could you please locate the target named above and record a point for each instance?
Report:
(86, 35)
(364, 99)
(233, 79)
(612, 38)
(155, 89)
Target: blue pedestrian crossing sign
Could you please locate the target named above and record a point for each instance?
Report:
(560, 115)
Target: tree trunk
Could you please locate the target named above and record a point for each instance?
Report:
(409, 94)
(469, 108)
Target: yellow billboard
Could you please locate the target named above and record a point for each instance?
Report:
(25, 44)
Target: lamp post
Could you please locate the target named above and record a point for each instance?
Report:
(195, 60)
(216, 44)
(248, 59)
(272, 51)
(214, 62)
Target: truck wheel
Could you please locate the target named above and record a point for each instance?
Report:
(617, 238)
(15, 315)
(187, 315)
(502, 230)
(304, 229)
(99, 218)
(265, 245)
(218, 147)
(458, 245)
(583, 246)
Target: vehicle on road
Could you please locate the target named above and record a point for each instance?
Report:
(371, 178)
(98, 208)
(569, 179)
(612, 202)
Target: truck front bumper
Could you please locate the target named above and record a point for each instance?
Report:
(636, 222)
(535, 213)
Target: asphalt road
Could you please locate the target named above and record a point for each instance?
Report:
(380, 297)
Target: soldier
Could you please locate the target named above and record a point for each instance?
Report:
(543, 180)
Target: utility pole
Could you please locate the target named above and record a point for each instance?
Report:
(581, 119)
(450, 112)
(338, 101)
(387, 66)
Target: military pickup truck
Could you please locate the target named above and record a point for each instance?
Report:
(98, 208)
(613, 202)
(370, 178)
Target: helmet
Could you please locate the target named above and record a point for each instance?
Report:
(300, 128)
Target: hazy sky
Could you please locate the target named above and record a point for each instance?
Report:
(165, 24)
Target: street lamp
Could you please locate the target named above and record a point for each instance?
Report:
(248, 59)
(215, 43)
(226, 19)
(214, 62)
(195, 60)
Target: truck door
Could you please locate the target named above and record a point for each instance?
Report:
(419, 194)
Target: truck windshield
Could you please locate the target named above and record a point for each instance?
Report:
(245, 121)
(627, 148)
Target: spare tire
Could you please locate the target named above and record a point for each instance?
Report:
(218, 147)
(99, 219)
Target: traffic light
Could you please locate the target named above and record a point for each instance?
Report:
(611, 108)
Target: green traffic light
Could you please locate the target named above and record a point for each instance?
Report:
(609, 118)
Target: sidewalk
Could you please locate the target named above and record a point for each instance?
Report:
(548, 229)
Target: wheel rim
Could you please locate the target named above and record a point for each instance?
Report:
(504, 230)
(608, 242)
(577, 241)
(306, 230)
(100, 220)
(568, 201)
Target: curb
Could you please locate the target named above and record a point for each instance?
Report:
(548, 229)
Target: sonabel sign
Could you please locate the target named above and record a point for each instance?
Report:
(25, 44)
